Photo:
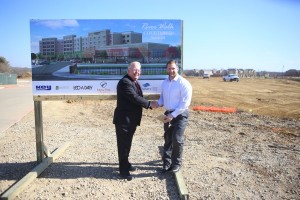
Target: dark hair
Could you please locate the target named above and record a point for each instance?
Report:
(171, 62)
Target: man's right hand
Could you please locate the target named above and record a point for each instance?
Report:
(154, 104)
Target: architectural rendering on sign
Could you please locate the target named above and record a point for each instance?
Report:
(95, 50)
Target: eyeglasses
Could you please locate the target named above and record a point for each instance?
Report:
(136, 70)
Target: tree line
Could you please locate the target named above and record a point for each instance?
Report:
(5, 67)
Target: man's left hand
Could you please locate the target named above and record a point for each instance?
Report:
(168, 118)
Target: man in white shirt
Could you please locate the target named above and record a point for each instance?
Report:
(175, 97)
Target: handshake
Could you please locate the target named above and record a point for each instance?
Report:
(154, 104)
(163, 118)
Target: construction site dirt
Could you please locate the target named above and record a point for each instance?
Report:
(253, 153)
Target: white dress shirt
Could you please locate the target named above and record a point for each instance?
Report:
(176, 95)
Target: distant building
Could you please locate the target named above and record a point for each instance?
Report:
(48, 46)
(68, 42)
(124, 44)
(232, 71)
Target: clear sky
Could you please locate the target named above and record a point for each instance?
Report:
(218, 34)
(165, 31)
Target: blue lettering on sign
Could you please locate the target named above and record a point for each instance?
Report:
(43, 87)
(146, 84)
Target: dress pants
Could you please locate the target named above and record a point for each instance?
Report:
(174, 140)
(124, 140)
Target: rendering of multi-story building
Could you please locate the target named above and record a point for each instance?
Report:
(69, 43)
(48, 46)
(102, 43)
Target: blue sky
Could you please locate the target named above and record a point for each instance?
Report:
(157, 31)
(220, 34)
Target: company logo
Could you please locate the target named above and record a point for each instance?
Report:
(146, 85)
(43, 87)
(84, 87)
(148, 88)
(61, 87)
(103, 84)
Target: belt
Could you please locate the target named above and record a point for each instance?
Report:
(169, 112)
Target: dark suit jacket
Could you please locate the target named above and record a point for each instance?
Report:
(129, 103)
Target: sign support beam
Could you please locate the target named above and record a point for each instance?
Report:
(39, 135)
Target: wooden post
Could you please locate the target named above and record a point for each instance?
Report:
(19, 186)
(184, 195)
(39, 131)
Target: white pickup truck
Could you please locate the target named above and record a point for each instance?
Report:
(231, 77)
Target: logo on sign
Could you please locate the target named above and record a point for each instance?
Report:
(85, 87)
(103, 84)
(61, 87)
(146, 85)
(43, 87)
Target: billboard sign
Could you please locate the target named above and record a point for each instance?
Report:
(89, 57)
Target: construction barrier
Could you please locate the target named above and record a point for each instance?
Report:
(215, 109)
(8, 79)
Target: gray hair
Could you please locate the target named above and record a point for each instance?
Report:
(133, 64)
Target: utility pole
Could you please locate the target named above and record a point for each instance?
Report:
(282, 72)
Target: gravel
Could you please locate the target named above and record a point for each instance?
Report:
(226, 156)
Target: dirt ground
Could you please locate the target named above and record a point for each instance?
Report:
(272, 97)
(251, 154)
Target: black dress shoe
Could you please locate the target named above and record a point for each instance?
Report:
(166, 168)
(128, 177)
(175, 168)
(132, 169)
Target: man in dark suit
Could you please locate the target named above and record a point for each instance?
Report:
(128, 114)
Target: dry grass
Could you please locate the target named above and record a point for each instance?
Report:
(273, 97)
